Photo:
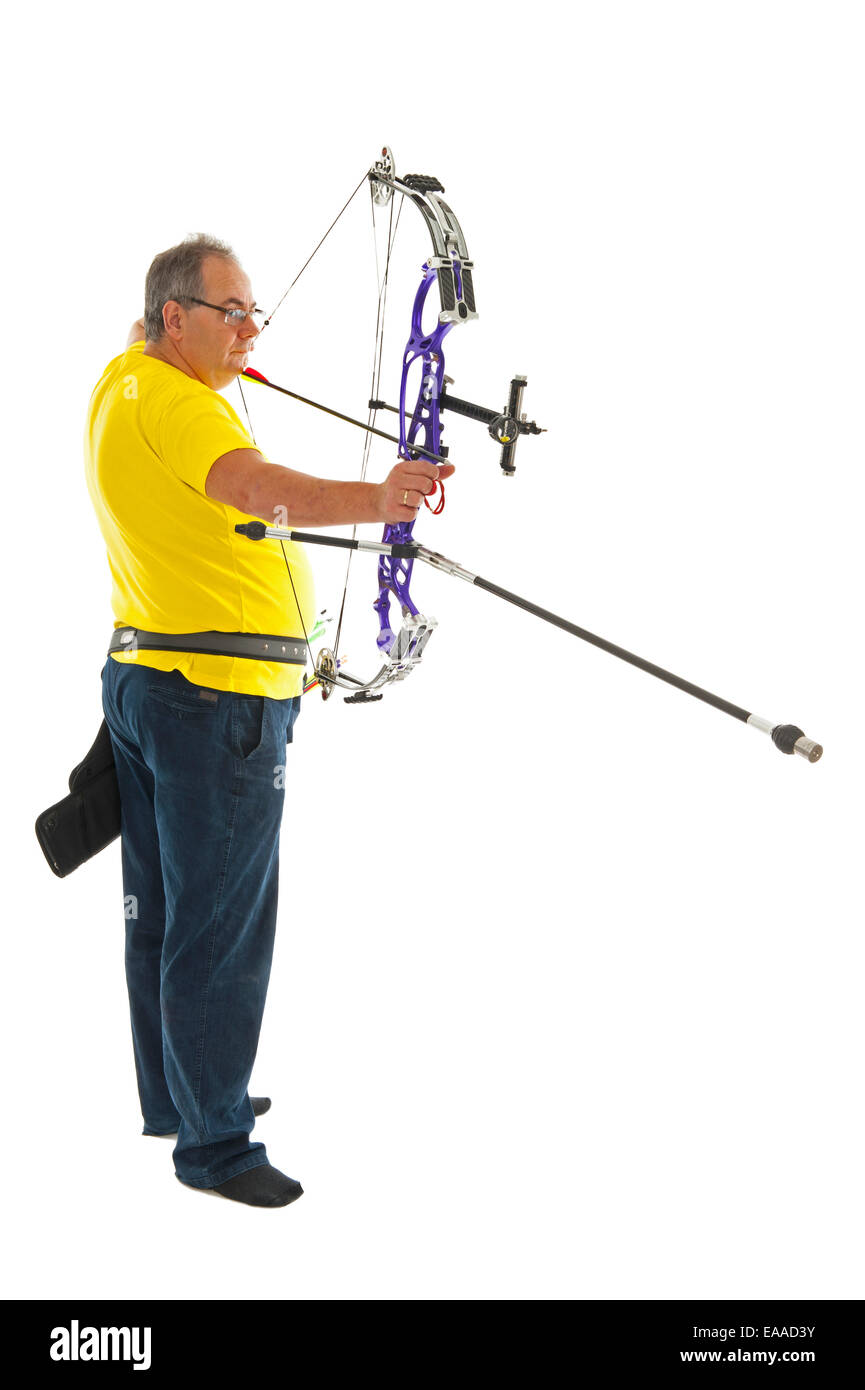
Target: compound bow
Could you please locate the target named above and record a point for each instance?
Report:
(420, 436)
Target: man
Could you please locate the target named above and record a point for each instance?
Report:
(199, 724)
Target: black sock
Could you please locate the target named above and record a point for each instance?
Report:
(261, 1187)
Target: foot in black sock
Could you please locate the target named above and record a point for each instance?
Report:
(260, 1106)
(260, 1187)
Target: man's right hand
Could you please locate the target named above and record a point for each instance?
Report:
(406, 485)
(243, 479)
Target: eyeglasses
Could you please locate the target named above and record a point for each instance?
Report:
(234, 317)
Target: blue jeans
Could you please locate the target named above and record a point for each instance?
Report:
(202, 776)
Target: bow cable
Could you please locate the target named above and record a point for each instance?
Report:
(378, 350)
(281, 543)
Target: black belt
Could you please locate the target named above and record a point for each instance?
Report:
(287, 650)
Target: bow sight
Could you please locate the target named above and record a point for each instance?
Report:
(504, 426)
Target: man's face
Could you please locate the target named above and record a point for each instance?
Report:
(217, 351)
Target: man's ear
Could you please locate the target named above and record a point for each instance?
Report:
(172, 317)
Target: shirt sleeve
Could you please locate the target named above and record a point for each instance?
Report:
(197, 430)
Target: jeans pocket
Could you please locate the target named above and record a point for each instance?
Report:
(248, 721)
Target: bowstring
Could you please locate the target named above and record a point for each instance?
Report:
(375, 382)
(281, 543)
(317, 249)
(376, 377)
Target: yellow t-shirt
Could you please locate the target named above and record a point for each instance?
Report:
(177, 563)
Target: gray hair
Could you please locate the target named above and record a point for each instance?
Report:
(177, 274)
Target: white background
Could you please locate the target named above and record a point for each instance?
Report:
(568, 1000)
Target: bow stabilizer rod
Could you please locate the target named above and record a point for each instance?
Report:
(788, 738)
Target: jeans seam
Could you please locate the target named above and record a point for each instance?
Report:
(199, 1058)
